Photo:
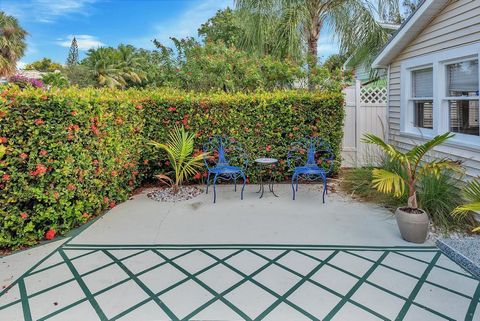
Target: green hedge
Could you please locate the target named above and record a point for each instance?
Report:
(73, 153)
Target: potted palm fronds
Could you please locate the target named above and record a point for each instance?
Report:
(412, 221)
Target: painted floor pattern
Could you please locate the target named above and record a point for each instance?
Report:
(242, 282)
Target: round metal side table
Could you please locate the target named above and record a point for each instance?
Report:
(266, 163)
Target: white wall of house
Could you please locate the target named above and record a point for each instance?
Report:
(453, 36)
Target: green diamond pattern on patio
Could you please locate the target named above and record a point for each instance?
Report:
(242, 282)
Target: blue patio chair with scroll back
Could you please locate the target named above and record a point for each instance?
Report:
(310, 158)
(221, 168)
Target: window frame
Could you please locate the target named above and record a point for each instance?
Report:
(441, 124)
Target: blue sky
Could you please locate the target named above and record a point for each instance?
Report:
(51, 24)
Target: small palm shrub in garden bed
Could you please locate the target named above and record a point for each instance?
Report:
(72, 153)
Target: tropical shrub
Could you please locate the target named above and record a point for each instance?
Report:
(471, 193)
(179, 149)
(412, 167)
(72, 153)
(24, 82)
(55, 79)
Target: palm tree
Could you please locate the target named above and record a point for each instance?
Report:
(291, 28)
(115, 68)
(12, 44)
(413, 167)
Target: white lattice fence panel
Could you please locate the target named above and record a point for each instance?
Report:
(373, 95)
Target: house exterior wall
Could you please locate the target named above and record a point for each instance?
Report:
(456, 26)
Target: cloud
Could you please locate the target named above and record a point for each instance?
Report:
(45, 11)
(184, 25)
(84, 42)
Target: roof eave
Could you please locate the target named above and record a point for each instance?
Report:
(408, 31)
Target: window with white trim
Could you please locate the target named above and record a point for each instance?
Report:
(462, 97)
(439, 92)
(422, 98)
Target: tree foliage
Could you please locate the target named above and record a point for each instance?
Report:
(44, 65)
(224, 27)
(12, 44)
(72, 58)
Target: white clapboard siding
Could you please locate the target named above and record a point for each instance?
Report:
(457, 25)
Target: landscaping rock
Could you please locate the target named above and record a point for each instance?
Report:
(166, 194)
(464, 251)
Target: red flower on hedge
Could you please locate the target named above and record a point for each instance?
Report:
(197, 176)
(50, 234)
(95, 130)
(56, 195)
(114, 173)
(74, 113)
(39, 170)
(5, 177)
(112, 204)
(71, 187)
(24, 215)
(268, 148)
(106, 200)
(3, 140)
(43, 152)
(139, 107)
(172, 108)
(23, 156)
(85, 215)
(39, 122)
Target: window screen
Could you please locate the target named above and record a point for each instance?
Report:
(423, 83)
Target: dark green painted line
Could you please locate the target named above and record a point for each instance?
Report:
(166, 289)
(193, 277)
(142, 285)
(296, 286)
(27, 314)
(439, 266)
(473, 305)
(357, 285)
(73, 279)
(84, 287)
(216, 297)
(107, 288)
(29, 271)
(60, 263)
(406, 306)
(256, 246)
(253, 274)
(372, 284)
(417, 278)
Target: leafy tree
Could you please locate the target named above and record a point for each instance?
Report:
(287, 28)
(80, 76)
(12, 44)
(72, 58)
(55, 79)
(44, 65)
(223, 26)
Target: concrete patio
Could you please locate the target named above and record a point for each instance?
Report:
(256, 259)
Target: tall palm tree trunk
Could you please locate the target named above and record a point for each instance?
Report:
(312, 43)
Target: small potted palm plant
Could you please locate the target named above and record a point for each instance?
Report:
(412, 221)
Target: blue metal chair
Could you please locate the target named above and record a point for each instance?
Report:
(217, 164)
(311, 159)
